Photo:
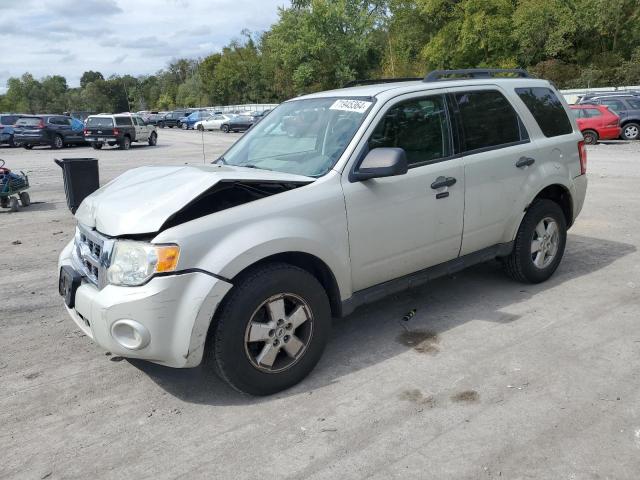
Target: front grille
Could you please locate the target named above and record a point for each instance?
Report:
(92, 254)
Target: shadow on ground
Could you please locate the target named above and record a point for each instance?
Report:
(377, 332)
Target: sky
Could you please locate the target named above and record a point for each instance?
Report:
(69, 37)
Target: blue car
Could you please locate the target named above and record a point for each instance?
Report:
(190, 120)
(6, 129)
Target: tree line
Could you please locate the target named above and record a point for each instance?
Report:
(323, 44)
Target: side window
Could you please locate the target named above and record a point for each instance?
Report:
(634, 103)
(139, 122)
(419, 126)
(615, 105)
(489, 120)
(123, 121)
(546, 108)
(592, 112)
(577, 112)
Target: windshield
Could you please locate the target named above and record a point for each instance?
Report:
(304, 137)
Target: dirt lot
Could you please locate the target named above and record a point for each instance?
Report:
(493, 380)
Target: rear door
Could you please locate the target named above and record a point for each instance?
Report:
(494, 141)
(99, 129)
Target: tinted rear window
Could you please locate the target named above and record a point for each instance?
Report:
(547, 109)
(489, 120)
(123, 121)
(8, 119)
(104, 122)
(29, 121)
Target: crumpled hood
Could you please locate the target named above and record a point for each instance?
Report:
(141, 200)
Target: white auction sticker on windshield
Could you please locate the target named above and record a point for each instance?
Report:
(346, 105)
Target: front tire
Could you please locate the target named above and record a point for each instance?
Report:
(631, 131)
(200, 128)
(271, 330)
(225, 128)
(539, 244)
(590, 137)
(27, 146)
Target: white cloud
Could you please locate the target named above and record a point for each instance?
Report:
(69, 37)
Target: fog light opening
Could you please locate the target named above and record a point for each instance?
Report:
(130, 334)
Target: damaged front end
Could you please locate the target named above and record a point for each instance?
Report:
(147, 200)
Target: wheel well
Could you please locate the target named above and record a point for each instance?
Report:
(562, 197)
(315, 267)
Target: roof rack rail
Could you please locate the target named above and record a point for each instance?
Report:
(473, 73)
(373, 81)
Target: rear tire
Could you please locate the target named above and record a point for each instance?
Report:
(57, 143)
(200, 128)
(13, 204)
(631, 131)
(153, 139)
(161, 125)
(96, 146)
(539, 244)
(4, 202)
(125, 143)
(225, 128)
(270, 331)
(590, 137)
(27, 146)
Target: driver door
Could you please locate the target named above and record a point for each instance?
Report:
(403, 224)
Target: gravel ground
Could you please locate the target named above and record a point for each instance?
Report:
(494, 379)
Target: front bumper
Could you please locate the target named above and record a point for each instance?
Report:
(174, 312)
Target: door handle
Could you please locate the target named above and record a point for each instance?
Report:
(525, 162)
(442, 182)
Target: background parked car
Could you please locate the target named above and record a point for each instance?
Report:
(53, 130)
(190, 120)
(172, 119)
(119, 130)
(627, 107)
(213, 122)
(241, 123)
(154, 117)
(596, 122)
(6, 129)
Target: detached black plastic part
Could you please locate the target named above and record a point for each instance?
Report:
(81, 179)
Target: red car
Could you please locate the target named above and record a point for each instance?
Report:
(596, 122)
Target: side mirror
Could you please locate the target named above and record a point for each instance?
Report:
(381, 162)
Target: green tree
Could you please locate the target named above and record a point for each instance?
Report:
(90, 76)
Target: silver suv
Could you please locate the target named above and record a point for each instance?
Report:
(334, 200)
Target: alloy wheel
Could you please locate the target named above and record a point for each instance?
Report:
(544, 245)
(278, 333)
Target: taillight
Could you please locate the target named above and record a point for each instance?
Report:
(613, 122)
(116, 132)
(582, 151)
(85, 131)
(41, 124)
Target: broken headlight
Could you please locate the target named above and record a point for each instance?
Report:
(134, 263)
